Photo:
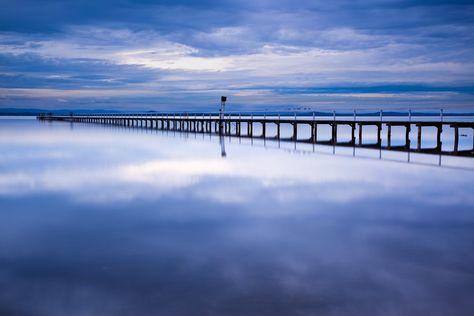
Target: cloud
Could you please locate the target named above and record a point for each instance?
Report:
(189, 48)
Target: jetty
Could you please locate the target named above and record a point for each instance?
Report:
(245, 126)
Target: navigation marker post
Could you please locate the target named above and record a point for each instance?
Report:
(221, 113)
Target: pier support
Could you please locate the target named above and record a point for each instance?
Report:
(407, 136)
(456, 139)
(389, 136)
(418, 142)
(314, 132)
(439, 144)
(379, 135)
(334, 134)
(353, 138)
(295, 131)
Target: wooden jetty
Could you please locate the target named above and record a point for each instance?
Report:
(232, 126)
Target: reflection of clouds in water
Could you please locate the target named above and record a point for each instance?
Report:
(336, 179)
(154, 172)
(148, 225)
(121, 182)
(318, 177)
(312, 263)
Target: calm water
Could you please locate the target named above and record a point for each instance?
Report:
(98, 220)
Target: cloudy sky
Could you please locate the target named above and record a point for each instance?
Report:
(178, 54)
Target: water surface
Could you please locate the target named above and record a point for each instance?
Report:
(100, 220)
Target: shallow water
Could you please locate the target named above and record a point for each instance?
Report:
(100, 220)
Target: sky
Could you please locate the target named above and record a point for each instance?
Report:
(270, 54)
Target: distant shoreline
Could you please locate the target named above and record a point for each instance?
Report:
(361, 113)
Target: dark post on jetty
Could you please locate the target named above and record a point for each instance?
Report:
(221, 115)
(230, 124)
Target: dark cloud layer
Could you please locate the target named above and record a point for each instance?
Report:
(213, 47)
(30, 71)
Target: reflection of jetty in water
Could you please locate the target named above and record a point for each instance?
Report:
(244, 126)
